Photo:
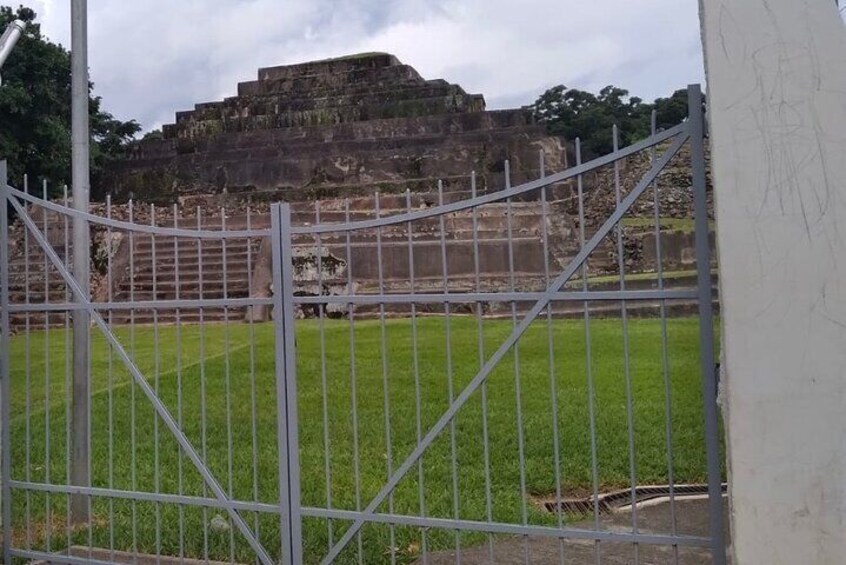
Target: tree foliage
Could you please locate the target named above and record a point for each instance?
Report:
(573, 113)
(35, 111)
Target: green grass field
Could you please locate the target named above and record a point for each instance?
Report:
(232, 369)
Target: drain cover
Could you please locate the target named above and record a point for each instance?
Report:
(610, 501)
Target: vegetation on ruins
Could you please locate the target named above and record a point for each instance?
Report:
(35, 102)
(573, 113)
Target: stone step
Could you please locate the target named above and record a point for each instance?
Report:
(171, 296)
(480, 127)
(337, 242)
(167, 254)
(329, 66)
(188, 272)
(281, 142)
(303, 198)
(169, 317)
(188, 256)
(37, 296)
(22, 286)
(380, 77)
(211, 264)
(313, 114)
(37, 321)
(283, 103)
(454, 228)
(233, 284)
(167, 241)
(393, 205)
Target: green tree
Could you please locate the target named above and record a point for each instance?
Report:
(671, 111)
(35, 110)
(591, 117)
(156, 134)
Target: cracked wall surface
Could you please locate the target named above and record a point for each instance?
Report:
(777, 102)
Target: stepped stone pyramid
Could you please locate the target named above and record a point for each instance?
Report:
(338, 127)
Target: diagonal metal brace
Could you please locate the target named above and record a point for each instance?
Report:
(159, 407)
(506, 346)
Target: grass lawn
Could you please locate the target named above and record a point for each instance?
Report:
(129, 445)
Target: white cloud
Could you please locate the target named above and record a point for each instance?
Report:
(151, 58)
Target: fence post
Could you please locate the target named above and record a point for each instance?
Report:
(706, 323)
(286, 384)
(81, 441)
(5, 384)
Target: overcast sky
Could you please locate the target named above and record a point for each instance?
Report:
(150, 58)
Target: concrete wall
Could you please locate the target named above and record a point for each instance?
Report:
(776, 74)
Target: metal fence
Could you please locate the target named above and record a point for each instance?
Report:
(397, 424)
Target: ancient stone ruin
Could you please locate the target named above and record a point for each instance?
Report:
(348, 126)
(349, 139)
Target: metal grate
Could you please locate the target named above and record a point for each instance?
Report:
(615, 500)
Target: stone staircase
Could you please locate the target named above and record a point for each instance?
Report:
(32, 278)
(462, 236)
(163, 268)
(166, 268)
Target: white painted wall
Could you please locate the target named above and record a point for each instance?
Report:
(776, 73)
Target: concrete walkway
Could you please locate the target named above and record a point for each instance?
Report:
(691, 519)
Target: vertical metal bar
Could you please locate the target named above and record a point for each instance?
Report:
(518, 386)
(179, 406)
(588, 357)
(253, 393)
(624, 312)
(282, 275)
(327, 460)
(70, 524)
(80, 472)
(279, 366)
(227, 378)
(353, 383)
(111, 380)
(665, 361)
(48, 502)
(706, 322)
(88, 499)
(203, 425)
(291, 384)
(5, 370)
(553, 385)
(28, 368)
(156, 371)
(385, 389)
(132, 385)
(480, 347)
(450, 377)
(415, 367)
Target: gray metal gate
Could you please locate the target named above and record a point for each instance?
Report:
(389, 428)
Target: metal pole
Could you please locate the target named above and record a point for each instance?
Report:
(286, 386)
(706, 324)
(10, 38)
(80, 475)
(5, 371)
(8, 41)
